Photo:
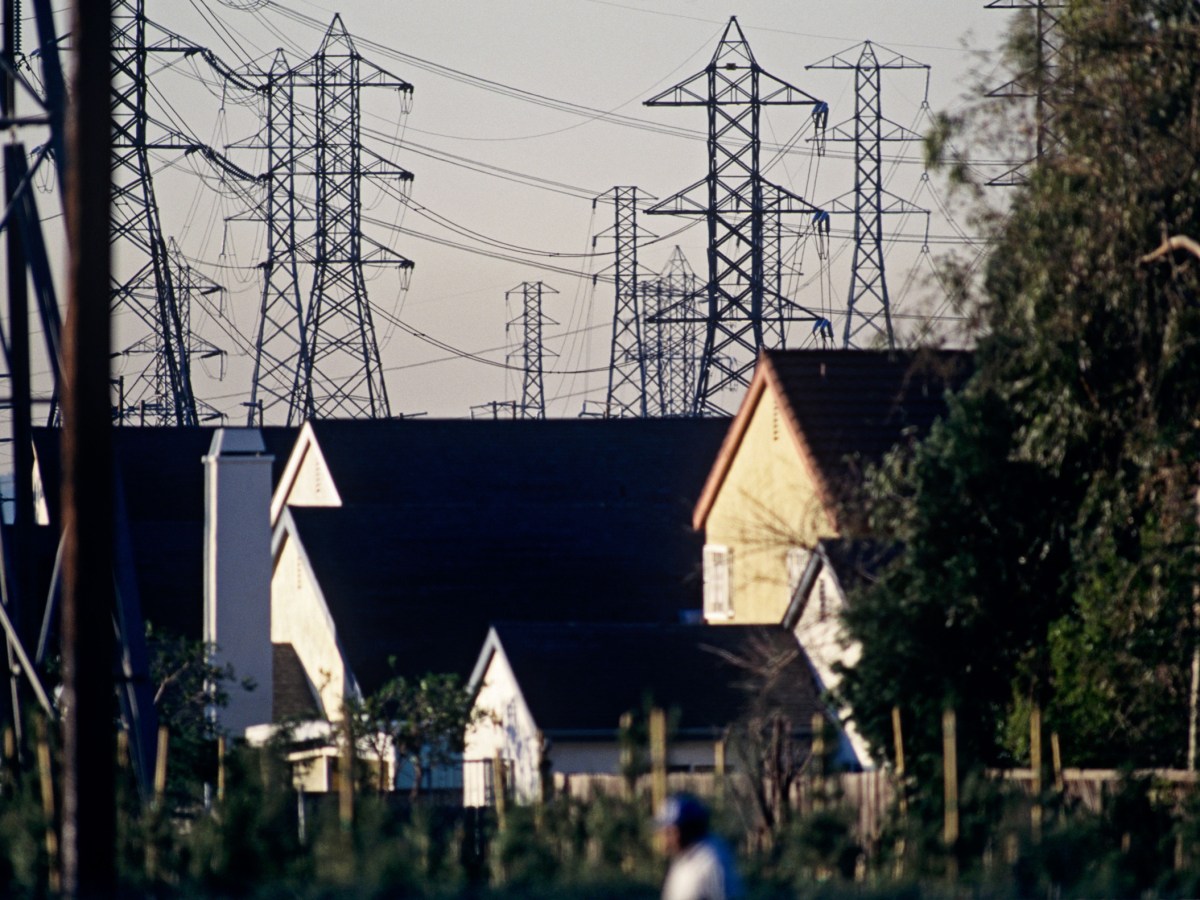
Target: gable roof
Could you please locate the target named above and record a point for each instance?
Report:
(469, 522)
(844, 409)
(161, 477)
(517, 463)
(578, 679)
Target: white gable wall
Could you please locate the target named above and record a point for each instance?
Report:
(508, 729)
(299, 617)
(306, 479)
(821, 634)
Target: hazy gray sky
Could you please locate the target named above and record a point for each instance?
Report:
(539, 165)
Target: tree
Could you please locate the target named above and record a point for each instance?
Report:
(1049, 523)
(424, 721)
(187, 686)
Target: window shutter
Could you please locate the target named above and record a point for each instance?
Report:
(718, 565)
(797, 562)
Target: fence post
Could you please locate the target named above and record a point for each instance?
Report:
(46, 779)
(816, 785)
(950, 783)
(658, 757)
(719, 769)
(346, 781)
(500, 794)
(500, 789)
(901, 789)
(545, 782)
(898, 738)
(160, 766)
(221, 768)
(1056, 759)
(1035, 763)
(658, 770)
(628, 769)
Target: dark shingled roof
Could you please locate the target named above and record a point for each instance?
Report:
(451, 525)
(856, 562)
(519, 465)
(581, 677)
(852, 406)
(163, 482)
(292, 695)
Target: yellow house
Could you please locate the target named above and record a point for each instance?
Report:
(810, 423)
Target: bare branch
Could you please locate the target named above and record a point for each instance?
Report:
(1170, 244)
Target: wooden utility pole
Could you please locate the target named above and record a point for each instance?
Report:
(89, 808)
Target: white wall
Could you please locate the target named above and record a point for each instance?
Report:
(237, 570)
(823, 638)
(509, 728)
(299, 617)
(604, 757)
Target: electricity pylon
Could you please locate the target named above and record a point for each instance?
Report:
(868, 307)
(1035, 84)
(531, 350)
(627, 382)
(733, 199)
(316, 354)
(671, 332)
(162, 389)
(281, 352)
(342, 374)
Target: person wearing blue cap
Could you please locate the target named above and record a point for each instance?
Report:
(701, 865)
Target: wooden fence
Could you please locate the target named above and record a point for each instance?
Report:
(870, 795)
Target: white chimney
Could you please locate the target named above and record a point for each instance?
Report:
(237, 571)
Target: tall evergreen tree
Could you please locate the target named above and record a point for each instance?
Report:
(1049, 523)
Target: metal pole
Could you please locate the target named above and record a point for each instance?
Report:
(89, 815)
(22, 414)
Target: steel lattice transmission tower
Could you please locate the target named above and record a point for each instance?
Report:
(163, 388)
(1036, 84)
(868, 307)
(529, 321)
(281, 351)
(162, 287)
(671, 338)
(627, 384)
(335, 356)
(187, 284)
(733, 199)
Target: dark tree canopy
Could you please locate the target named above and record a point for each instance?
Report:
(1049, 523)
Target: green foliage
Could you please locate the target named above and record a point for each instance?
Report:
(1049, 523)
(423, 720)
(23, 859)
(186, 686)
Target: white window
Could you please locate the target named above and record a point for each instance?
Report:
(718, 583)
(797, 562)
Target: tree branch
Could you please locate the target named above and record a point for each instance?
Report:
(1169, 244)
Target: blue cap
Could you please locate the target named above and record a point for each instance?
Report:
(680, 811)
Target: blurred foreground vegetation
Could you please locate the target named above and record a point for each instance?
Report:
(266, 840)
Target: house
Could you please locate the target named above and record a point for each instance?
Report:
(396, 543)
(811, 422)
(554, 694)
(832, 570)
